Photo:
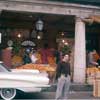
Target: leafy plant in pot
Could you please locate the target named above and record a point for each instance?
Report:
(66, 49)
(16, 47)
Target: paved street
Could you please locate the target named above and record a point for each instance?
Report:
(51, 95)
(76, 92)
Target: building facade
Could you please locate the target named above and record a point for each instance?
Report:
(83, 14)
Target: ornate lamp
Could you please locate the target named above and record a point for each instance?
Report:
(39, 25)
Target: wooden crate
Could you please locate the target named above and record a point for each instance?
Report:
(96, 87)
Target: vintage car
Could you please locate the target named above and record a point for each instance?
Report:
(24, 80)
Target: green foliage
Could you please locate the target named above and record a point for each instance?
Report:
(66, 49)
(16, 47)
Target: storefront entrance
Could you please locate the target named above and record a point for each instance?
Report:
(18, 27)
(18, 23)
(57, 31)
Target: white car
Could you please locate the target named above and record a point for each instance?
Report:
(24, 80)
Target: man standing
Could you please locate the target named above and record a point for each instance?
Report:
(91, 61)
(63, 76)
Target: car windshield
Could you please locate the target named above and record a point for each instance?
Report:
(3, 68)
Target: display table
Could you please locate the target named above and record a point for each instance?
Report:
(50, 69)
(40, 67)
(96, 86)
(91, 74)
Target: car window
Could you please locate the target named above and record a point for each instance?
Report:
(3, 68)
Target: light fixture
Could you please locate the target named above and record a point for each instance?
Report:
(10, 43)
(66, 43)
(39, 25)
(34, 34)
(38, 37)
(19, 35)
(62, 33)
(63, 40)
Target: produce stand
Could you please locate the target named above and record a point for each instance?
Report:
(91, 74)
(96, 85)
(50, 69)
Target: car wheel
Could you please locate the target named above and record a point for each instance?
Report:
(8, 93)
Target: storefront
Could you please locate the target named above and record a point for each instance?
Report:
(58, 18)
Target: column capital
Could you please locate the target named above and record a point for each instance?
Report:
(84, 19)
(78, 19)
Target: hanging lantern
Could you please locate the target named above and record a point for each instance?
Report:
(39, 25)
(34, 34)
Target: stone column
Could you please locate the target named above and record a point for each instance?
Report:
(0, 32)
(80, 52)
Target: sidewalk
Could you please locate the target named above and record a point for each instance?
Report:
(82, 95)
(72, 96)
(73, 87)
(77, 91)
